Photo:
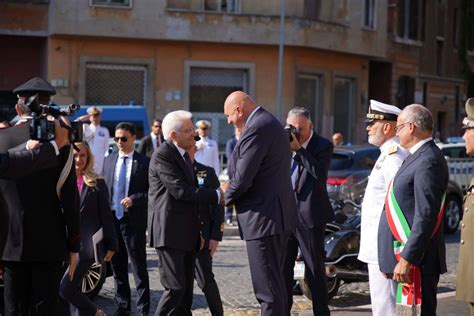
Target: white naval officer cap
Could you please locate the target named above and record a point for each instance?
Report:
(468, 121)
(381, 111)
(94, 110)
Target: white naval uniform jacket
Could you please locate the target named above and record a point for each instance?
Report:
(385, 168)
(98, 140)
(208, 154)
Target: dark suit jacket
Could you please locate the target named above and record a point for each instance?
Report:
(96, 213)
(211, 216)
(146, 145)
(418, 187)
(314, 208)
(172, 204)
(19, 164)
(229, 147)
(260, 183)
(40, 226)
(137, 188)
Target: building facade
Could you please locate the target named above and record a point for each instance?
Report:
(190, 54)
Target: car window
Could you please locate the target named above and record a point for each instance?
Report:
(366, 162)
(455, 152)
(339, 162)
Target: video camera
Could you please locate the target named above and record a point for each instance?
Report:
(290, 129)
(42, 129)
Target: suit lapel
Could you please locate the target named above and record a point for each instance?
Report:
(112, 172)
(182, 163)
(84, 192)
(412, 157)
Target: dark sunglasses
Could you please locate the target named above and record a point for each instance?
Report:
(123, 139)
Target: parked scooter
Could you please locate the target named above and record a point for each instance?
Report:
(342, 248)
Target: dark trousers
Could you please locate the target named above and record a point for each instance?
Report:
(31, 288)
(311, 243)
(70, 290)
(131, 245)
(429, 289)
(176, 269)
(228, 214)
(266, 259)
(207, 283)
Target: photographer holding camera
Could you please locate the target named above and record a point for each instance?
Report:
(40, 215)
(311, 158)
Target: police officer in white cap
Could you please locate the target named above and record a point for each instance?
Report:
(465, 272)
(381, 121)
(208, 151)
(97, 136)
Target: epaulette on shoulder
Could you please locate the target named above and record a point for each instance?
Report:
(392, 149)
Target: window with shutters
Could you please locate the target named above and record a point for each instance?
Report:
(344, 106)
(118, 84)
(224, 6)
(209, 87)
(309, 90)
(406, 91)
(112, 3)
(369, 14)
(408, 11)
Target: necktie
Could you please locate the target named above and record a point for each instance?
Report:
(157, 141)
(119, 209)
(189, 164)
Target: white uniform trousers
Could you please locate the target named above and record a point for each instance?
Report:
(382, 292)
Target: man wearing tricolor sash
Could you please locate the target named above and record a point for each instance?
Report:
(411, 245)
(465, 272)
(381, 121)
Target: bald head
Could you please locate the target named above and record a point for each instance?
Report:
(237, 108)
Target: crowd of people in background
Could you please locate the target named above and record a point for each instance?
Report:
(169, 189)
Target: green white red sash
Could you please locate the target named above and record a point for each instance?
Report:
(408, 295)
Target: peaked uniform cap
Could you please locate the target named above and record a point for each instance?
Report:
(203, 124)
(33, 86)
(381, 111)
(94, 110)
(468, 121)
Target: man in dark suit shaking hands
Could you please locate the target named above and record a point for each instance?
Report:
(311, 158)
(260, 190)
(410, 240)
(126, 173)
(173, 214)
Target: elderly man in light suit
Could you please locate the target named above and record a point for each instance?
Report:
(465, 272)
(381, 121)
(261, 191)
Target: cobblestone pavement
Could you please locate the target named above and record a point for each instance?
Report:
(233, 277)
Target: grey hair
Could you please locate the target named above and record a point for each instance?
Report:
(420, 116)
(301, 112)
(173, 122)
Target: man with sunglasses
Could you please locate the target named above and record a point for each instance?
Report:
(411, 247)
(465, 272)
(126, 175)
(96, 136)
(381, 121)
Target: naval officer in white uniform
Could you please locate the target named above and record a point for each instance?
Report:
(381, 121)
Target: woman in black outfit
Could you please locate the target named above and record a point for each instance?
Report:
(95, 214)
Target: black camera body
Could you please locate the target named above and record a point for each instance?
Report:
(42, 128)
(291, 130)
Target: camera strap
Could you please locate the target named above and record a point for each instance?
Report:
(65, 172)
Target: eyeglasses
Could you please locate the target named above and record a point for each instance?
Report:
(401, 126)
(123, 139)
(186, 131)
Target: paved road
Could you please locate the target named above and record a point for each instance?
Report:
(233, 278)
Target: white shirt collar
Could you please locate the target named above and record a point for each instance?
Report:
(419, 144)
(129, 155)
(181, 150)
(251, 114)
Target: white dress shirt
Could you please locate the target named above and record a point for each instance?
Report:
(208, 154)
(118, 167)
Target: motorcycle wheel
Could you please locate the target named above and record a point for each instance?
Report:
(333, 287)
(94, 279)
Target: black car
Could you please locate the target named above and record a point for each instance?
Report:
(348, 177)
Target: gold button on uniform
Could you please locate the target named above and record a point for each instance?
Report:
(462, 242)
